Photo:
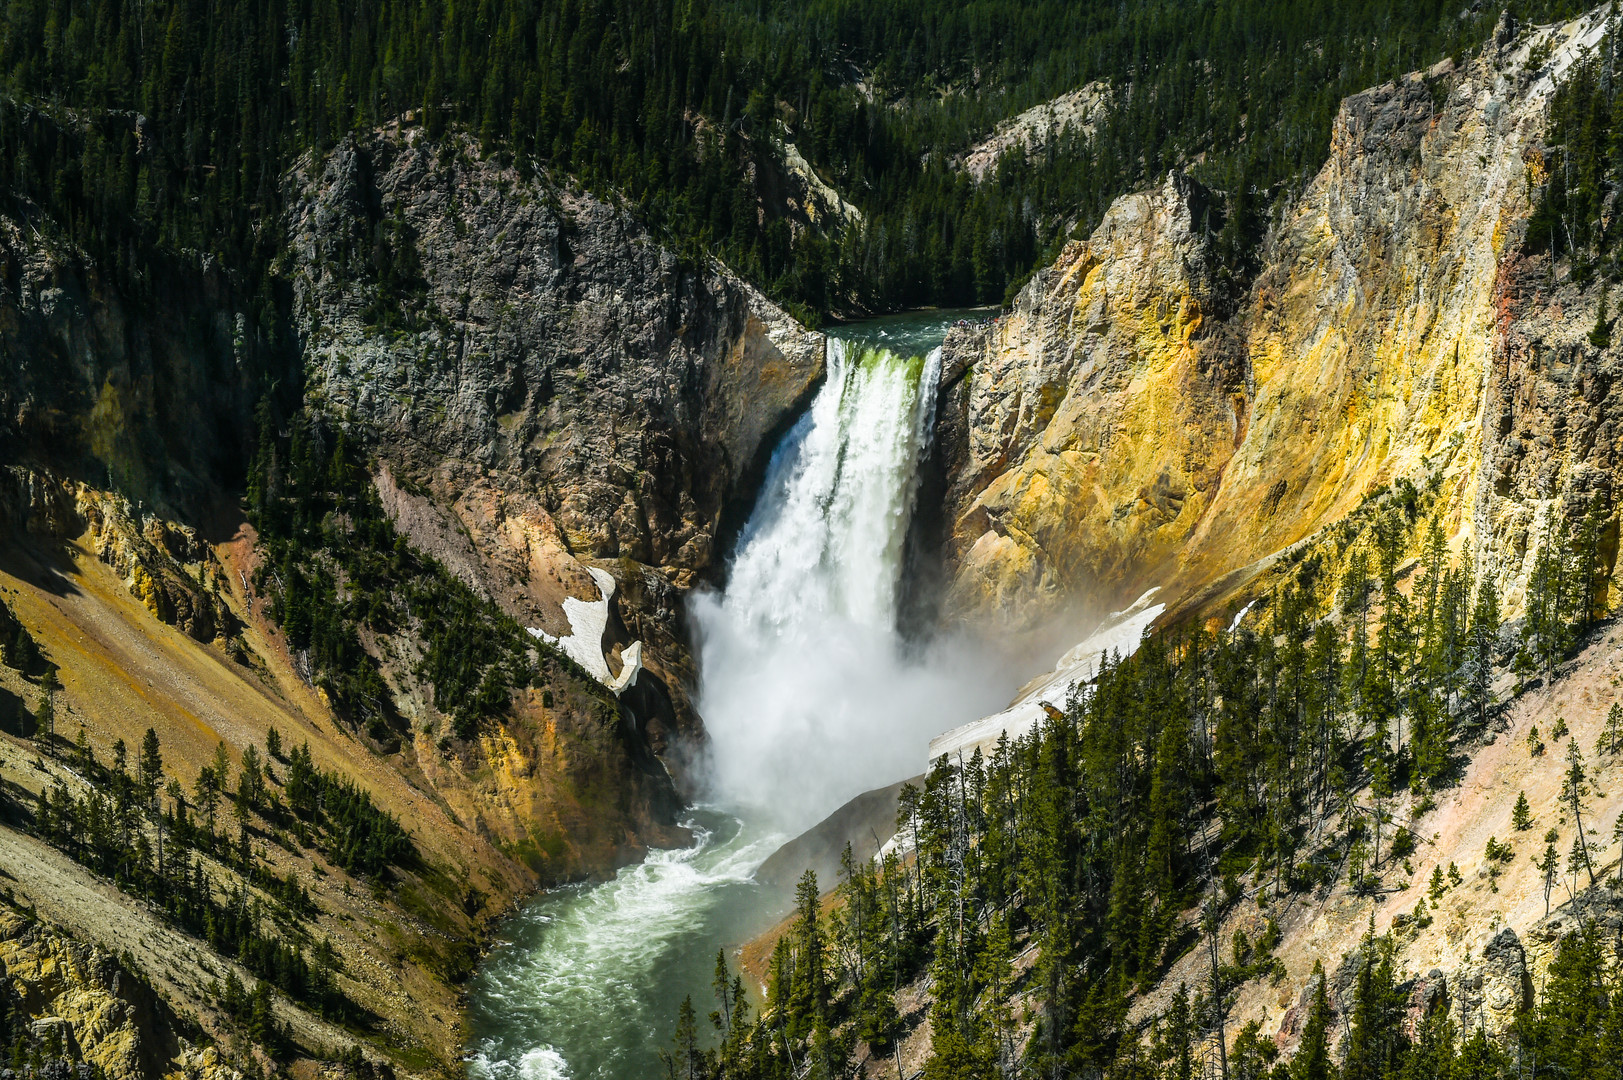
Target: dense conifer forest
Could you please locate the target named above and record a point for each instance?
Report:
(1054, 880)
(166, 127)
(1582, 173)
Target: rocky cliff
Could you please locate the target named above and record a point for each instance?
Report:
(144, 383)
(1128, 426)
(1124, 428)
(85, 1008)
(556, 391)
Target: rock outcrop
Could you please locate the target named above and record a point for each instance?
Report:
(77, 1005)
(1075, 114)
(556, 391)
(1120, 429)
(1085, 433)
(145, 386)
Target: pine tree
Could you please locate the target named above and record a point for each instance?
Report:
(1433, 1055)
(1312, 1060)
(1435, 887)
(1176, 1036)
(206, 794)
(1548, 624)
(1376, 1046)
(1562, 1034)
(1590, 577)
(807, 1005)
(1611, 732)
(45, 714)
(250, 782)
(1617, 837)
(1575, 792)
(1210, 921)
(149, 767)
(1521, 816)
(687, 1063)
(1484, 638)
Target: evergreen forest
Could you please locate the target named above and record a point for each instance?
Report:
(1049, 884)
(160, 129)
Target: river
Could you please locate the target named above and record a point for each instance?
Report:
(808, 699)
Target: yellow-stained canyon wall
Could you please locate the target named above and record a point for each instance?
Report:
(1126, 426)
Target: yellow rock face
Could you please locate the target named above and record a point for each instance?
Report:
(1120, 431)
(1099, 413)
(96, 1011)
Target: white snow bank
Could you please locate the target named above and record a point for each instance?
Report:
(1119, 633)
(1241, 614)
(588, 620)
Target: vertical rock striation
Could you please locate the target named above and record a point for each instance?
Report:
(1085, 432)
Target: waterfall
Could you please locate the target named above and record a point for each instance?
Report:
(828, 531)
(809, 700)
(804, 689)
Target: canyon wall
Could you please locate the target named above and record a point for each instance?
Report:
(1128, 426)
(537, 387)
(552, 390)
(144, 382)
(1125, 427)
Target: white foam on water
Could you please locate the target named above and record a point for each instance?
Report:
(543, 1063)
(581, 960)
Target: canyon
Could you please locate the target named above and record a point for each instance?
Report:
(547, 399)
(570, 398)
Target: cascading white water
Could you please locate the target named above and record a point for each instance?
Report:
(808, 700)
(803, 686)
(827, 535)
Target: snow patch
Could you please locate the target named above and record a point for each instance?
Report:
(588, 620)
(1121, 632)
(1241, 614)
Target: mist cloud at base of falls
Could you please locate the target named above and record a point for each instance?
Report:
(804, 721)
(806, 689)
(809, 700)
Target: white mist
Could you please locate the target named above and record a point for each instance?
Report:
(808, 700)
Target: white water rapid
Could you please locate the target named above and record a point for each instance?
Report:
(809, 697)
(591, 976)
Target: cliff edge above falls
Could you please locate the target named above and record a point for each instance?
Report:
(1123, 428)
